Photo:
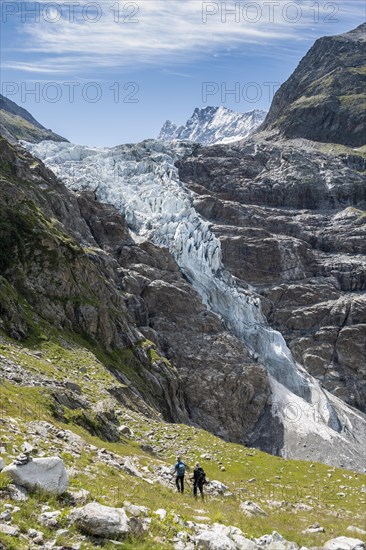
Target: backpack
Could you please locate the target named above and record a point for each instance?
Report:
(181, 468)
(201, 476)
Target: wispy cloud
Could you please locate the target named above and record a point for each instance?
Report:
(154, 32)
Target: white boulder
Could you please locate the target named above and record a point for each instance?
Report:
(344, 543)
(215, 487)
(162, 513)
(275, 542)
(356, 530)
(46, 474)
(2, 465)
(213, 540)
(252, 509)
(10, 530)
(101, 521)
(243, 543)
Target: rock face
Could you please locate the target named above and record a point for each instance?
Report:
(291, 222)
(324, 99)
(40, 260)
(17, 123)
(214, 125)
(46, 474)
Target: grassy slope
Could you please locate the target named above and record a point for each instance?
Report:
(290, 482)
(23, 129)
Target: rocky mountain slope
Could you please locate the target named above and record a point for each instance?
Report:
(18, 123)
(291, 222)
(142, 181)
(214, 125)
(325, 99)
(87, 314)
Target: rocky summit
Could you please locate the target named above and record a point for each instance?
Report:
(325, 99)
(212, 125)
(170, 298)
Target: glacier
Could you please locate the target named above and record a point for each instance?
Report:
(141, 180)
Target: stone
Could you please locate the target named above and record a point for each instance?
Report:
(212, 540)
(162, 513)
(17, 492)
(275, 541)
(46, 474)
(62, 532)
(344, 543)
(81, 496)
(243, 543)
(125, 430)
(215, 487)
(27, 447)
(252, 509)
(5, 516)
(2, 464)
(101, 521)
(73, 386)
(356, 530)
(36, 536)
(11, 530)
(50, 519)
(316, 528)
(135, 511)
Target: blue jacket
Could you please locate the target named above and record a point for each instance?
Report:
(180, 468)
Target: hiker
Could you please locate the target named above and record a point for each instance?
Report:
(180, 469)
(199, 479)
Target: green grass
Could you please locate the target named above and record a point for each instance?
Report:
(289, 482)
(337, 149)
(22, 129)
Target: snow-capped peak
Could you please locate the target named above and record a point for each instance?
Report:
(214, 125)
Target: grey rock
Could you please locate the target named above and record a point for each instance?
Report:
(214, 487)
(101, 521)
(344, 543)
(47, 474)
(275, 541)
(212, 540)
(11, 530)
(125, 430)
(356, 530)
(252, 509)
(18, 492)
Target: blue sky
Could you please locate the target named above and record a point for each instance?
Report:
(111, 72)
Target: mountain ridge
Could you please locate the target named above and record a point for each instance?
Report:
(211, 125)
(17, 123)
(324, 99)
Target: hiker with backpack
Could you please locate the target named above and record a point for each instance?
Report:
(179, 469)
(199, 479)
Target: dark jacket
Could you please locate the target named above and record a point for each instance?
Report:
(199, 476)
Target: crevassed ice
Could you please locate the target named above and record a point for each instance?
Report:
(142, 181)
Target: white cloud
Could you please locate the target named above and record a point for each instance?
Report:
(170, 31)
